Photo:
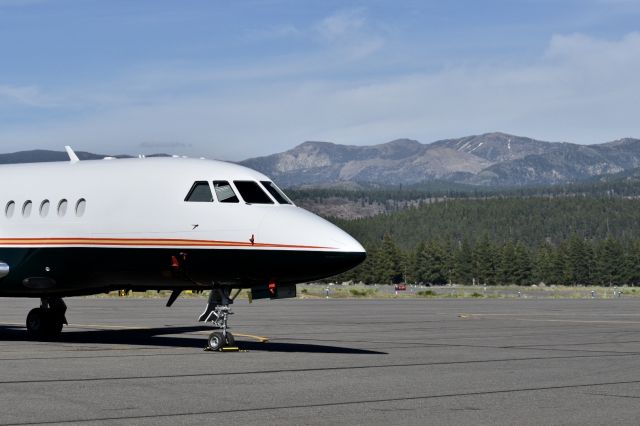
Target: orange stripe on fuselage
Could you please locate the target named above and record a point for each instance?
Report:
(163, 242)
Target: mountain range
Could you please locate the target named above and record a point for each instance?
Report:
(491, 159)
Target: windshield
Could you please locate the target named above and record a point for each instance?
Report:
(276, 192)
(224, 192)
(251, 193)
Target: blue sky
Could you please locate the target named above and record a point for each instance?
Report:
(238, 79)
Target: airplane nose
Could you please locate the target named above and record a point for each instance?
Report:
(326, 249)
(296, 226)
(344, 261)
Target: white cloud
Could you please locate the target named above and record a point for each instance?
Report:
(342, 24)
(22, 95)
(352, 34)
(581, 89)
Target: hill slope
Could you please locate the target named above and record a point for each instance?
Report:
(492, 159)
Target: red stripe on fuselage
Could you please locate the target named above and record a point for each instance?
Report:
(145, 242)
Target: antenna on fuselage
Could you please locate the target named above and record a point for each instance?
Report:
(72, 155)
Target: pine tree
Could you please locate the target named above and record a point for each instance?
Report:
(484, 257)
(610, 262)
(632, 264)
(433, 264)
(369, 274)
(416, 271)
(521, 265)
(391, 265)
(544, 265)
(462, 272)
(577, 262)
(506, 272)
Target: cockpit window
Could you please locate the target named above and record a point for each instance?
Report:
(276, 192)
(200, 193)
(251, 192)
(224, 192)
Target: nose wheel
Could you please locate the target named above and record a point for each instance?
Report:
(217, 341)
(47, 321)
(217, 314)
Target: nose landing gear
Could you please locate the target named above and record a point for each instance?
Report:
(217, 313)
(47, 321)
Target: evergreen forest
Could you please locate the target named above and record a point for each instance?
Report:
(575, 261)
(577, 239)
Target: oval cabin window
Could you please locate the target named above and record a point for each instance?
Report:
(62, 208)
(81, 207)
(44, 208)
(10, 209)
(26, 208)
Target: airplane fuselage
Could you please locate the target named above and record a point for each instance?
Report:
(88, 227)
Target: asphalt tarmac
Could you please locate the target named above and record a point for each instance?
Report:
(133, 361)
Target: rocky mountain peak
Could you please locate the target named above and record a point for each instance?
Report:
(497, 146)
(623, 142)
(404, 143)
(314, 145)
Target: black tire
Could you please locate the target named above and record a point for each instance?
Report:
(215, 341)
(43, 324)
(36, 323)
(231, 341)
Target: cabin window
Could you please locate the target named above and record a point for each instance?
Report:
(251, 192)
(224, 192)
(81, 207)
(200, 193)
(44, 208)
(10, 209)
(26, 208)
(276, 192)
(62, 208)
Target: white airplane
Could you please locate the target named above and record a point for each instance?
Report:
(87, 227)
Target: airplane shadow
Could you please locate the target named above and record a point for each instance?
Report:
(164, 337)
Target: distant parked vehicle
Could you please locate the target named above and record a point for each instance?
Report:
(401, 287)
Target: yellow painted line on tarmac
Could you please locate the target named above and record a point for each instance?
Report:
(260, 339)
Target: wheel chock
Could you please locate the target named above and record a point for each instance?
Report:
(227, 349)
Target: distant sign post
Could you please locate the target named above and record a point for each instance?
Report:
(400, 287)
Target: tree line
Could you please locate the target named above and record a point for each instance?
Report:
(575, 261)
(528, 221)
(625, 184)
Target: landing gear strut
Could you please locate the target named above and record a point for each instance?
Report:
(47, 320)
(217, 313)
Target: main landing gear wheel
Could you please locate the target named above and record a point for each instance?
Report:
(46, 322)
